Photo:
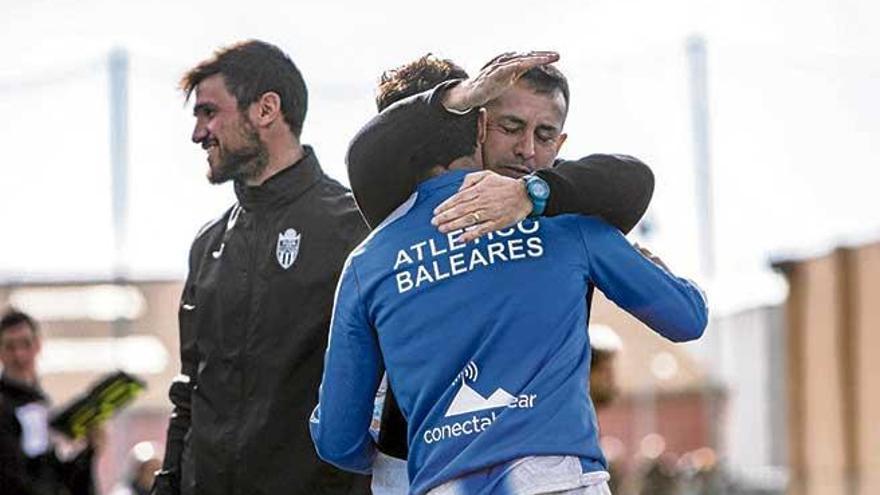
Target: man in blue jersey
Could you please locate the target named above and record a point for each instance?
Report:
(524, 134)
(483, 341)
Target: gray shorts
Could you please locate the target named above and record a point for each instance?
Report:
(389, 476)
(536, 475)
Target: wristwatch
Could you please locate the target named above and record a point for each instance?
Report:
(538, 191)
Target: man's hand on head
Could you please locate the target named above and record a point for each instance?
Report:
(497, 76)
(486, 202)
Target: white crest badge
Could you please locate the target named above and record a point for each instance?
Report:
(287, 248)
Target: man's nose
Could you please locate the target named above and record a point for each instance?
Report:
(525, 147)
(200, 132)
(21, 354)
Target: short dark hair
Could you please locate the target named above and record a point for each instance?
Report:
(456, 138)
(415, 77)
(13, 318)
(545, 79)
(250, 69)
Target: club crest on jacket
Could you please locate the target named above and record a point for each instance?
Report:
(287, 248)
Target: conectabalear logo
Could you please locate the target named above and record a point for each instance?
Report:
(467, 401)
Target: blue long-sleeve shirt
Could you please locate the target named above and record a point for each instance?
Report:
(484, 342)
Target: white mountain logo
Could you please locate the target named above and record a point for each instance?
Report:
(468, 400)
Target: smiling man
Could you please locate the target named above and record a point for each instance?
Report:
(256, 305)
(233, 145)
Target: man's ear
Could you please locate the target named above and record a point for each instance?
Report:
(266, 109)
(559, 142)
(481, 125)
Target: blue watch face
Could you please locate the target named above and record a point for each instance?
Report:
(539, 189)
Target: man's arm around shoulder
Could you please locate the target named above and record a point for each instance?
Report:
(672, 306)
(378, 159)
(617, 188)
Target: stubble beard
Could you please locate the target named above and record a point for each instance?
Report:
(244, 163)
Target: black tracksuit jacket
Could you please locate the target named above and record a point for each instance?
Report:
(254, 318)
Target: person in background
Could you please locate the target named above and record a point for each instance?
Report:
(30, 463)
(605, 345)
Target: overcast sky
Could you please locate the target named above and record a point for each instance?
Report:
(795, 114)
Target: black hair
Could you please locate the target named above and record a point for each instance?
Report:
(250, 69)
(456, 138)
(545, 79)
(13, 318)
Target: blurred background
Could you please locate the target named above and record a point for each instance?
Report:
(761, 121)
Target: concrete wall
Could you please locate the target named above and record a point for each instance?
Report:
(833, 375)
(865, 369)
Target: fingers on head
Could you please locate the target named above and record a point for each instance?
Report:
(549, 54)
(500, 58)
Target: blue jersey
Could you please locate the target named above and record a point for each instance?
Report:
(484, 343)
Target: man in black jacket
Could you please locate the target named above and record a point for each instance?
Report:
(28, 462)
(525, 115)
(255, 310)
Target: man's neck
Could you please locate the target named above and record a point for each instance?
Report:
(280, 158)
(469, 162)
(463, 163)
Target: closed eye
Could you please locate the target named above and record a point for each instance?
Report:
(546, 134)
(511, 125)
(511, 129)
